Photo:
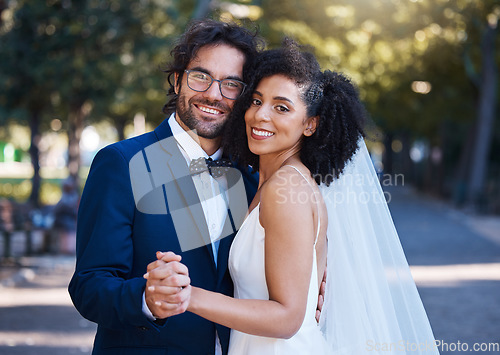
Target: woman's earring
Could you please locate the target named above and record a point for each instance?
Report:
(311, 126)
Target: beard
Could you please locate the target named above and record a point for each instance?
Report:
(205, 129)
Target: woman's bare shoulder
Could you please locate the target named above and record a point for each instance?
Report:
(288, 190)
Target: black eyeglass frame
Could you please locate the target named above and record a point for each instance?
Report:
(187, 71)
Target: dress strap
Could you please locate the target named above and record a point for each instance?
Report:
(317, 205)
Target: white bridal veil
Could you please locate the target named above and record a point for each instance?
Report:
(371, 303)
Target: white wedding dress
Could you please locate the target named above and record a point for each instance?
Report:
(371, 307)
(247, 269)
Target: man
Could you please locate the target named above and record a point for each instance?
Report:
(135, 191)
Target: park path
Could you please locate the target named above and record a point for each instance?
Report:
(455, 260)
(36, 313)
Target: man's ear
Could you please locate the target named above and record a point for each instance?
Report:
(176, 83)
(312, 124)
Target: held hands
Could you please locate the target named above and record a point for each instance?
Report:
(168, 288)
(321, 297)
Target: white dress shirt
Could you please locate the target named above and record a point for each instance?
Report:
(209, 191)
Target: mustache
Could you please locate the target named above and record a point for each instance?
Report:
(215, 104)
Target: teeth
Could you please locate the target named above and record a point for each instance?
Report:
(262, 133)
(209, 110)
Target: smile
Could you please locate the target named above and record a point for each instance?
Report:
(261, 133)
(210, 110)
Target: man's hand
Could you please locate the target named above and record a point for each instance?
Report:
(168, 288)
(321, 297)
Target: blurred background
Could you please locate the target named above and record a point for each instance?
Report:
(78, 75)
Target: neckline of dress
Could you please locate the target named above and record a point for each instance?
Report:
(248, 217)
(256, 207)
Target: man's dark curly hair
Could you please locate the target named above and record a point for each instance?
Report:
(329, 95)
(205, 32)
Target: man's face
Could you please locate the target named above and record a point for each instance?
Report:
(207, 112)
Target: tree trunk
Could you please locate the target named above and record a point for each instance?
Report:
(77, 116)
(387, 156)
(464, 163)
(486, 118)
(440, 169)
(120, 122)
(407, 164)
(428, 178)
(34, 151)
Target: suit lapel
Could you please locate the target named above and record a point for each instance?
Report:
(182, 198)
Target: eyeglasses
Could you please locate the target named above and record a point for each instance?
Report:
(229, 88)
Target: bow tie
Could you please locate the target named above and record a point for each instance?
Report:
(216, 168)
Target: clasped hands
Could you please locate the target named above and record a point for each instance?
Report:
(168, 286)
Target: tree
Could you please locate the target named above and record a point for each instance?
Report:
(487, 83)
(67, 58)
(390, 48)
(26, 85)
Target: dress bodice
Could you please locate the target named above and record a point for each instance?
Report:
(247, 268)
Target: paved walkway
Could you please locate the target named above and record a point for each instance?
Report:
(455, 260)
(37, 316)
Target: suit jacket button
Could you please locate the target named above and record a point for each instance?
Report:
(143, 328)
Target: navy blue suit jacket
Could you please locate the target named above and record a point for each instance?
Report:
(116, 242)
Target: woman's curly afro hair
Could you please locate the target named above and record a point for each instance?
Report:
(329, 95)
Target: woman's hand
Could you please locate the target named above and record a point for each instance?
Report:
(168, 288)
(321, 297)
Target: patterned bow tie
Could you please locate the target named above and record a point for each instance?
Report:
(216, 168)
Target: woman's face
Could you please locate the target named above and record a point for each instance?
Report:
(277, 118)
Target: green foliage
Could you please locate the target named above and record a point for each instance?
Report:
(417, 64)
(59, 54)
(387, 45)
(20, 189)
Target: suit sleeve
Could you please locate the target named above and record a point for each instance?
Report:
(103, 287)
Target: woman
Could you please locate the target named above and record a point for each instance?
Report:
(279, 254)
(301, 128)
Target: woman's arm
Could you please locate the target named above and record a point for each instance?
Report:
(287, 217)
